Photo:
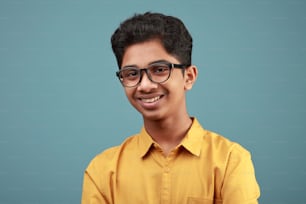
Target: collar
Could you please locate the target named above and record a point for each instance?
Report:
(192, 142)
(145, 142)
(194, 138)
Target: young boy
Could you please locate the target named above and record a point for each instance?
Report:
(172, 159)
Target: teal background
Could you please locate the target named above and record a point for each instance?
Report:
(60, 103)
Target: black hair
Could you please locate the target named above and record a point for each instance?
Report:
(170, 30)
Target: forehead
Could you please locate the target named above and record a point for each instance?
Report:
(145, 53)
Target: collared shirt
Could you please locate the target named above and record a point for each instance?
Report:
(205, 168)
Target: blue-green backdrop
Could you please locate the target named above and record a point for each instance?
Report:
(60, 103)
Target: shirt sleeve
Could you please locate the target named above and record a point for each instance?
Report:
(90, 193)
(240, 185)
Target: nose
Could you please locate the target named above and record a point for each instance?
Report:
(146, 84)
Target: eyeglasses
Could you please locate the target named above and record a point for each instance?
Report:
(157, 73)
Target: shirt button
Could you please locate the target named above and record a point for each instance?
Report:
(167, 169)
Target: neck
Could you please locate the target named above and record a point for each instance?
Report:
(168, 133)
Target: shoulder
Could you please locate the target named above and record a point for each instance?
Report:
(107, 159)
(222, 146)
(213, 142)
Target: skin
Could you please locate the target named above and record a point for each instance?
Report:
(163, 106)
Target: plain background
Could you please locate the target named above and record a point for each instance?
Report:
(60, 103)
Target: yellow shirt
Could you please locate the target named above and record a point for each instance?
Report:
(205, 168)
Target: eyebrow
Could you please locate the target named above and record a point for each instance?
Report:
(153, 62)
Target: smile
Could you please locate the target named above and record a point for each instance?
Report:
(150, 100)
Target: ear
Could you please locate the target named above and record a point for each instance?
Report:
(191, 74)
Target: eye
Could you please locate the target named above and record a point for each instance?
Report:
(159, 69)
(129, 73)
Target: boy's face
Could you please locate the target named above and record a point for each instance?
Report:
(156, 101)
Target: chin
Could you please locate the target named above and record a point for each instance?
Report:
(154, 117)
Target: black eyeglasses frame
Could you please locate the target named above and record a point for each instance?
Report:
(168, 64)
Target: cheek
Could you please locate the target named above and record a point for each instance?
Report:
(178, 84)
(176, 92)
(130, 95)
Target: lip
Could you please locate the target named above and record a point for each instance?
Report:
(150, 102)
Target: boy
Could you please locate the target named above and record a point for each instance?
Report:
(173, 159)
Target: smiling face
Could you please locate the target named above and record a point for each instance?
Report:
(156, 101)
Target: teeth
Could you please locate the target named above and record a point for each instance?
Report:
(150, 100)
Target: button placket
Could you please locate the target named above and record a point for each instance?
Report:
(166, 179)
(166, 185)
